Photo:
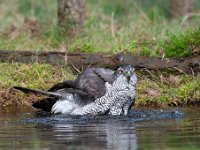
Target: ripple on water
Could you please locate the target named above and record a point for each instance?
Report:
(134, 116)
(142, 128)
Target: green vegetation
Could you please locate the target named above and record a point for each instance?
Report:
(142, 28)
(40, 76)
(182, 45)
(169, 89)
(33, 76)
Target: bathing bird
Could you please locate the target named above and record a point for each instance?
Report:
(115, 93)
(91, 82)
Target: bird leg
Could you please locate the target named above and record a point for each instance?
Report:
(127, 106)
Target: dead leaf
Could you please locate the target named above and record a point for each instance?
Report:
(196, 51)
(171, 80)
(174, 80)
(152, 93)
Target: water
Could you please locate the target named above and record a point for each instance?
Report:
(142, 129)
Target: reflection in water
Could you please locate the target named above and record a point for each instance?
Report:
(142, 129)
(111, 134)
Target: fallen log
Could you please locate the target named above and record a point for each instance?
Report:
(83, 60)
(56, 58)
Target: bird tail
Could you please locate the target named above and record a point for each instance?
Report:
(36, 91)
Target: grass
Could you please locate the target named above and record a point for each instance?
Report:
(172, 90)
(40, 76)
(182, 45)
(33, 76)
(158, 89)
(110, 27)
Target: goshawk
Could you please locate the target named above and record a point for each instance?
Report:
(95, 91)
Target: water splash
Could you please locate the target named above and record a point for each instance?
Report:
(133, 116)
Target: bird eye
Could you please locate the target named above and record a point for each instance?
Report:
(121, 72)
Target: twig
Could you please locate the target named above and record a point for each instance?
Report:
(76, 69)
(112, 26)
(180, 70)
(192, 72)
(188, 16)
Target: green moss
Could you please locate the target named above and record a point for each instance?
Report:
(31, 75)
(182, 45)
(154, 91)
(189, 89)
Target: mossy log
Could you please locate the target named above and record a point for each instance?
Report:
(83, 60)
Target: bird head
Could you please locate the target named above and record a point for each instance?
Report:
(127, 71)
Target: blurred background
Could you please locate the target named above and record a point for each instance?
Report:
(164, 28)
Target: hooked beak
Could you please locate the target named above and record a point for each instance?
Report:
(128, 78)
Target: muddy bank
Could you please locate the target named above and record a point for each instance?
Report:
(10, 97)
(189, 65)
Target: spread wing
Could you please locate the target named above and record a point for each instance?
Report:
(66, 84)
(106, 74)
(89, 83)
(93, 81)
(46, 103)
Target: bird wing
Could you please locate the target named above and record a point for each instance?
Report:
(91, 83)
(93, 80)
(46, 103)
(65, 84)
(106, 74)
(79, 92)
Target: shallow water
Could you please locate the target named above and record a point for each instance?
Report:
(142, 129)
